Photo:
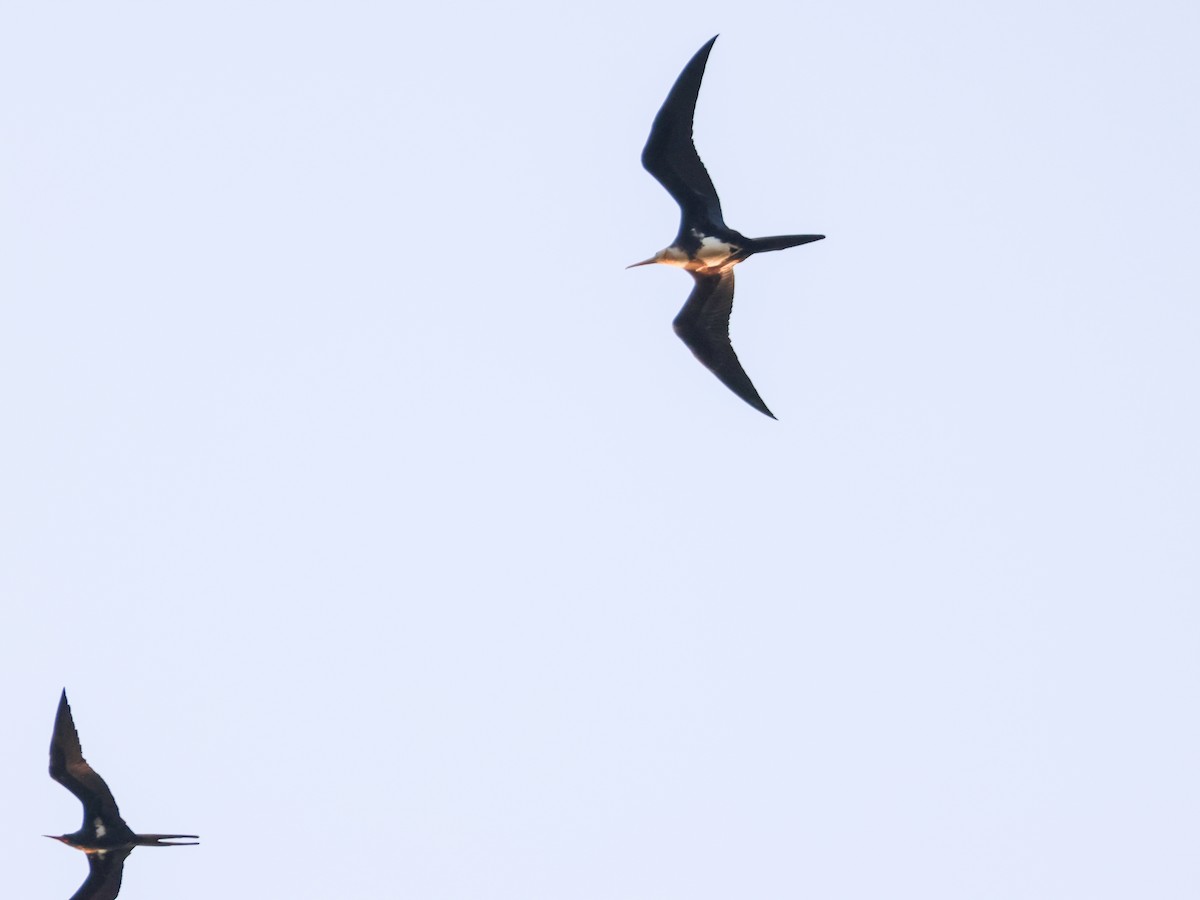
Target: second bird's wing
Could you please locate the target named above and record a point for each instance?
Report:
(703, 324)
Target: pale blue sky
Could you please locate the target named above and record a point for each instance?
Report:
(384, 534)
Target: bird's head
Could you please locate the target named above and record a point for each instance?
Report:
(64, 838)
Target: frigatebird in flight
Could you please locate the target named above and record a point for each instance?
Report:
(104, 836)
(705, 245)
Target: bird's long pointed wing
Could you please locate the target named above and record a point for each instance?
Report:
(71, 770)
(104, 875)
(703, 324)
(670, 155)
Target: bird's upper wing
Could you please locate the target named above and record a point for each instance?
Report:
(71, 770)
(671, 157)
(703, 324)
(104, 875)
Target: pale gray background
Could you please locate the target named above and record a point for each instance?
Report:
(384, 534)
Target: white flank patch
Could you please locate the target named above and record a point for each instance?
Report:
(714, 249)
(101, 831)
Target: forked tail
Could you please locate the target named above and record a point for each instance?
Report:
(165, 840)
(782, 242)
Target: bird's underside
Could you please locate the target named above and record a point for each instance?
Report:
(705, 245)
(104, 836)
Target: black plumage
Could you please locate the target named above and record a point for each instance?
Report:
(103, 836)
(705, 245)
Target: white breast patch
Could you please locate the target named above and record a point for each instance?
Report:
(101, 831)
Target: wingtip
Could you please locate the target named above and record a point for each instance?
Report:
(754, 402)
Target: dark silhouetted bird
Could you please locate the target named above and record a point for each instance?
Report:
(705, 246)
(104, 836)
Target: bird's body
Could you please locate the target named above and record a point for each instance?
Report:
(104, 836)
(705, 246)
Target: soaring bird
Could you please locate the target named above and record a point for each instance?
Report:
(104, 836)
(705, 245)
